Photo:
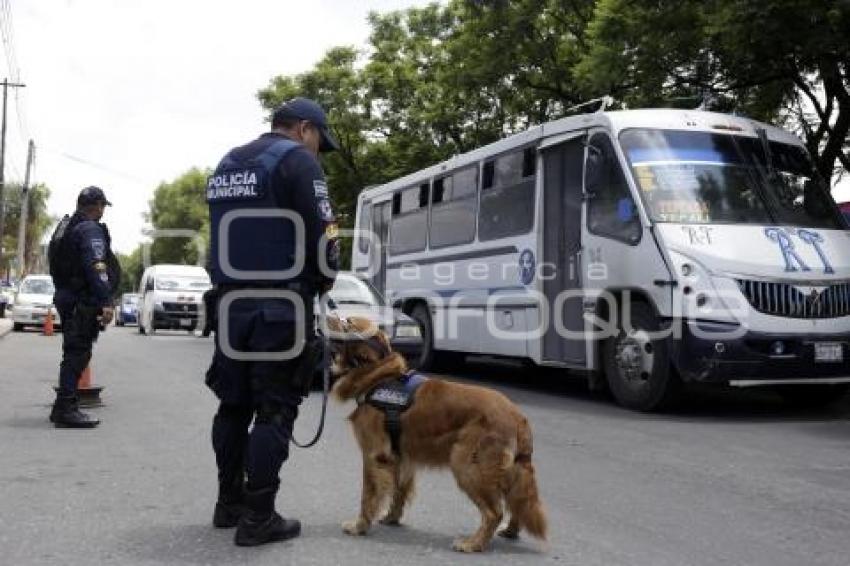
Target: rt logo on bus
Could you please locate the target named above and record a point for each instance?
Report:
(526, 266)
(789, 254)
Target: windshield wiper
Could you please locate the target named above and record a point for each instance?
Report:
(768, 155)
(353, 302)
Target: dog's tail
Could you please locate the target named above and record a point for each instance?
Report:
(522, 496)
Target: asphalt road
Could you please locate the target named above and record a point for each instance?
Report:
(727, 479)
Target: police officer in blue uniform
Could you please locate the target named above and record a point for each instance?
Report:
(257, 195)
(86, 275)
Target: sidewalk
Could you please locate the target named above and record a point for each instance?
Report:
(5, 326)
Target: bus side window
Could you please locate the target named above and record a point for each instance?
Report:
(409, 224)
(507, 195)
(453, 208)
(611, 211)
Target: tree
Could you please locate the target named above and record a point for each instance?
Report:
(38, 222)
(180, 205)
(131, 271)
(436, 81)
(785, 61)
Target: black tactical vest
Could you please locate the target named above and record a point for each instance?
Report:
(250, 242)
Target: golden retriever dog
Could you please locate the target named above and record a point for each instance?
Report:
(476, 432)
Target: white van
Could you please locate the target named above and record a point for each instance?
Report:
(643, 247)
(170, 297)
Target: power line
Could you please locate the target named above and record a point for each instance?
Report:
(14, 70)
(93, 164)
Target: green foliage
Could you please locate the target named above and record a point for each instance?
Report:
(784, 61)
(442, 79)
(436, 81)
(131, 271)
(179, 205)
(38, 222)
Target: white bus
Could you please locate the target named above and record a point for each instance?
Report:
(646, 247)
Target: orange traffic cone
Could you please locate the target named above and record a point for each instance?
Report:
(48, 323)
(88, 393)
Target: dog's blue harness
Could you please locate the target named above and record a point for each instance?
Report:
(394, 398)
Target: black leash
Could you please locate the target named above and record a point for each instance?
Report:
(326, 376)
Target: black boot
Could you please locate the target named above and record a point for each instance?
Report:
(230, 506)
(262, 524)
(66, 414)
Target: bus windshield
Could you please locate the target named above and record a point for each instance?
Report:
(707, 178)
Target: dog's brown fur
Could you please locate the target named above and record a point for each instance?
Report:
(478, 433)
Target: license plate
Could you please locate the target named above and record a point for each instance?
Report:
(829, 352)
(185, 322)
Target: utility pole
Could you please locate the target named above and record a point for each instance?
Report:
(6, 85)
(22, 227)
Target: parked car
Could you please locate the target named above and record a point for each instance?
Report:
(127, 311)
(170, 297)
(33, 300)
(355, 296)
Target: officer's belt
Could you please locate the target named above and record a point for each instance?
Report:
(394, 398)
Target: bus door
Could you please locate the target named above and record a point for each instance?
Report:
(563, 166)
(381, 213)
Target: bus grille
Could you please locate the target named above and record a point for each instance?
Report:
(797, 301)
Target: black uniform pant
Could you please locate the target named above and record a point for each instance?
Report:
(258, 391)
(80, 328)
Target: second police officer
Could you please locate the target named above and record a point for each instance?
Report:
(253, 195)
(86, 275)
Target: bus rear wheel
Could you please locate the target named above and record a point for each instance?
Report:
(637, 366)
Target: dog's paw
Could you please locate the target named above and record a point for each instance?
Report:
(355, 527)
(509, 533)
(390, 521)
(467, 545)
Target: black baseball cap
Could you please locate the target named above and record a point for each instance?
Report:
(92, 195)
(306, 109)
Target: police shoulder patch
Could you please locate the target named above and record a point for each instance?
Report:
(320, 188)
(98, 246)
(326, 210)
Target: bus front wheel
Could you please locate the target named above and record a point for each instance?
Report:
(637, 366)
(422, 316)
(431, 358)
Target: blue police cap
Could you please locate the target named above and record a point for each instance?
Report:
(92, 195)
(306, 109)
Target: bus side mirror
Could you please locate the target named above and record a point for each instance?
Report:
(149, 285)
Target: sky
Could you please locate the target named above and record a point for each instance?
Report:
(126, 95)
